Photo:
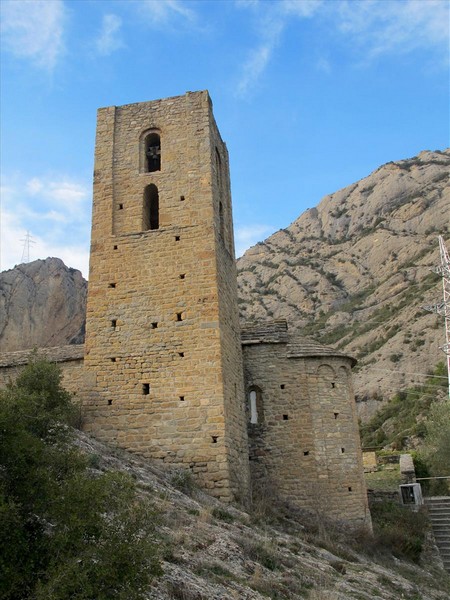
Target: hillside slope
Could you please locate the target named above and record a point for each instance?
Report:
(42, 304)
(355, 272)
(217, 552)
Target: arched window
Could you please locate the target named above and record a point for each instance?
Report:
(255, 405)
(150, 212)
(152, 149)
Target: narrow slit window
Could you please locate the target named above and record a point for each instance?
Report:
(109, 402)
(113, 323)
(349, 488)
(179, 316)
(342, 450)
(221, 221)
(214, 439)
(150, 212)
(255, 405)
(333, 385)
(177, 238)
(120, 206)
(181, 198)
(153, 152)
(145, 389)
(336, 414)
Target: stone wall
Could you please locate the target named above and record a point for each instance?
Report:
(306, 442)
(69, 358)
(162, 336)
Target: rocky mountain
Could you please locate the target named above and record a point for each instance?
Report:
(355, 273)
(42, 303)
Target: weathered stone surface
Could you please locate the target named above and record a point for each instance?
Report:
(42, 304)
(162, 334)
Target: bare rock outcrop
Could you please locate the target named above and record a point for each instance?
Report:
(42, 304)
(355, 272)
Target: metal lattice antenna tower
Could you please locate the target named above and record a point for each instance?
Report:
(27, 241)
(443, 308)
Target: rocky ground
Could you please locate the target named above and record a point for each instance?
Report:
(213, 551)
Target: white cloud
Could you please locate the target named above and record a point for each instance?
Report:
(274, 16)
(163, 11)
(34, 29)
(376, 27)
(56, 213)
(109, 39)
(392, 26)
(248, 235)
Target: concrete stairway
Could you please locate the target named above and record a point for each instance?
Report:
(439, 512)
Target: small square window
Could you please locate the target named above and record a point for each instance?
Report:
(181, 398)
(306, 453)
(214, 439)
(282, 386)
(115, 247)
(109, 402)
(154, 325)
(113, 359)
(285, 417)
(120, 206)
(181, 354)
(182, 198)
(182, 275)
(177, 238)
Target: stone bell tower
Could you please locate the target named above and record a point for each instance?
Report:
(162, 341)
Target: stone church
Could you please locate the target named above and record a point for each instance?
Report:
(166, 370)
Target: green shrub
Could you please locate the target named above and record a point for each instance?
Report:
(63, 533)
(399, 529)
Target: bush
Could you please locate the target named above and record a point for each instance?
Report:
(63, 533)
(399, 529)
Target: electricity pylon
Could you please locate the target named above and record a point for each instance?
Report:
(443, 308)
(27, 241)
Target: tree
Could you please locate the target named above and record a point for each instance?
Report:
(64, 533)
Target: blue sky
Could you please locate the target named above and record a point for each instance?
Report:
(309, 95)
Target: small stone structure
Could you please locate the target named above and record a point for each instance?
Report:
(167, 372)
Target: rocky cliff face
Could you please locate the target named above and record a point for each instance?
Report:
(355, 272)
(42, 304)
